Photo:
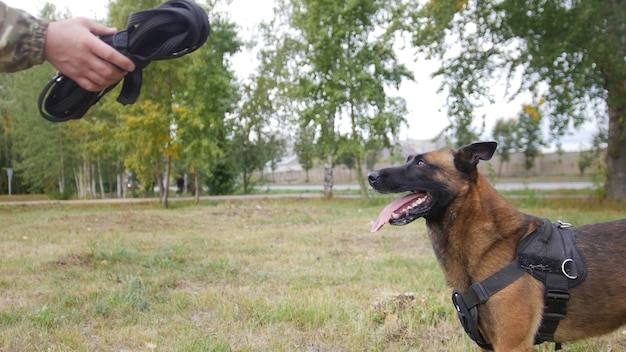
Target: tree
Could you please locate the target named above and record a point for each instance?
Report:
(504, 134)
(373, 148)
(593, 155)
(144, 137)
(43, 155)
(342, 61)
(257, 138)
(210, 96)
(148, 128)
(572, 53)
(304, 147)
(528, 134)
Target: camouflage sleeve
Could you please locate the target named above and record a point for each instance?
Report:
(22, 39)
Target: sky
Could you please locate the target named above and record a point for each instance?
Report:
(427, 115)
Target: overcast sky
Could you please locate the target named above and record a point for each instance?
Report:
(427, 116)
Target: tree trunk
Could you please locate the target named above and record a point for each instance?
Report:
(616, 153)
(101, 180)
(197, 186)
(93, 187)
(62, 178)
(361, 178)
(166, 182)
(79, 182)
(244, 182)
(121, 182)
(86, 180)
(328, 176)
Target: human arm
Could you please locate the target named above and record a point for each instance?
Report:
(71, 46)
(22, 39)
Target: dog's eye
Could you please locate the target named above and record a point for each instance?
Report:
(421, 163)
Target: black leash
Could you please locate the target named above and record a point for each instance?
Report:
(172, 30)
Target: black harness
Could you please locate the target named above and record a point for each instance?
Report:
(550, 255)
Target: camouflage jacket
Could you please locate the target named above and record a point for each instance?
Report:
(22, 39)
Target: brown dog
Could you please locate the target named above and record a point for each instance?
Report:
(475, 233)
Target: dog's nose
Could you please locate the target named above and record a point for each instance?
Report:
(373, 176)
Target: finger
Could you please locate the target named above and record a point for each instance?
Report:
(104, 74)
(87, 84)
(112, 56)
(100, 29)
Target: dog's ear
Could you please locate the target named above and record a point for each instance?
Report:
(466, 158)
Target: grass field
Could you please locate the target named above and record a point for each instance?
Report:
(259, 275)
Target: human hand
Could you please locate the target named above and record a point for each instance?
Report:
(73, 47)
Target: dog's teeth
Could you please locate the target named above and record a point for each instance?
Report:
(418, 202)
(395, 216)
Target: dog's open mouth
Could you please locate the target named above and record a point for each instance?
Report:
(404, 210)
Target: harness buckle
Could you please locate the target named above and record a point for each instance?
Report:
(480, 291)
(564, 225)
(557, 295)
(555, 305)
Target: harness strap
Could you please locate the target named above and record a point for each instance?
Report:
(480, 292)
(172, 30)
(549, 255)
(556, 298)
(466, 303)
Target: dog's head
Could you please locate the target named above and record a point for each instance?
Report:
(433, 179)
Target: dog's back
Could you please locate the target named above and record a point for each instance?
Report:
(598, 306)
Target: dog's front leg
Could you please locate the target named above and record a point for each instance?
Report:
(513, 315)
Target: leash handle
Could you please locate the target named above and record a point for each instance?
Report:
(172, 30)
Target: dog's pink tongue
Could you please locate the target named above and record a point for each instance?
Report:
(385, 215)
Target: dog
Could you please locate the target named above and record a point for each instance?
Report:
(475, 232)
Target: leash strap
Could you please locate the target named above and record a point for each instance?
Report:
(174, 29)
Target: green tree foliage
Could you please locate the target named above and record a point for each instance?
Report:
(147, 128)
(181, 109)
(504, 134)
(42, 155)
(255, 142)
(571, 53)
(179, 116)
(523, 134)
(342, 60)
(305, 149)
(529, 137)
(210, 95)
(593, 156)
(6, 152)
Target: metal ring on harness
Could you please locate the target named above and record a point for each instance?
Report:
(567, 275)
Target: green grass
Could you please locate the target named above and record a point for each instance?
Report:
(262, 275)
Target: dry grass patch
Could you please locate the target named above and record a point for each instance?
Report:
(262, 275)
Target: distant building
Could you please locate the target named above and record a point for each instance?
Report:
(289, 170)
